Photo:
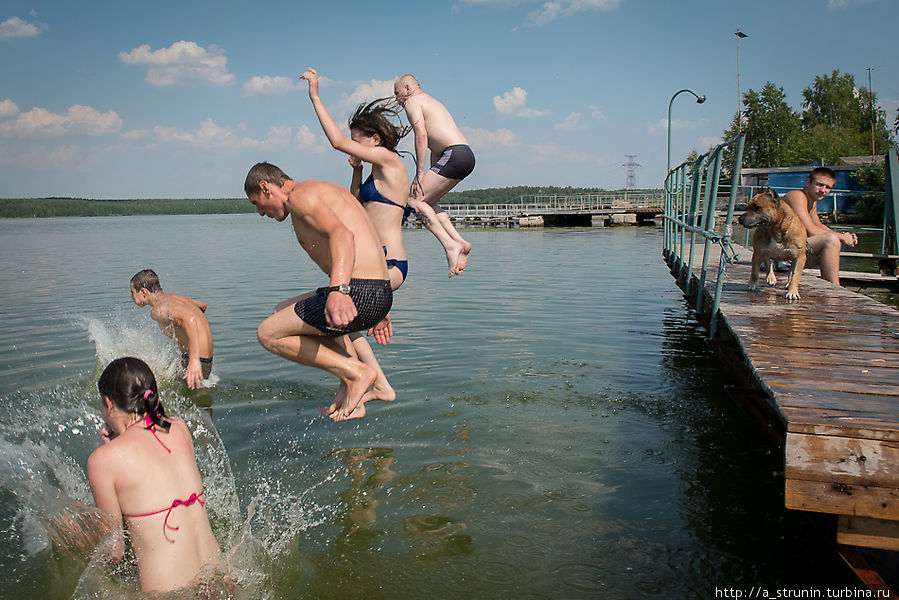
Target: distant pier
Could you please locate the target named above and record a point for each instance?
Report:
(559, 211)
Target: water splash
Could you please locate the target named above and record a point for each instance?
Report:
(120, 334)
(55, 535)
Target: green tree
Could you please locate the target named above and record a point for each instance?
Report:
(771, 127)
(837, 120)
(869, 207)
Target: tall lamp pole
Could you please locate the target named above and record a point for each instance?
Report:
(699, 100)
(871, 99)
(740, 35)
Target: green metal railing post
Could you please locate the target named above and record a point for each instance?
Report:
(728, 229)
(696, 193)
(890, 203)
(708, 221)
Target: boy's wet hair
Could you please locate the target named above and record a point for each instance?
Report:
(374, 117)
(146, 279)
(263, 172)
(130, 385)
(817, 171)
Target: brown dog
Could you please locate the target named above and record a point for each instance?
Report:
(779, 235)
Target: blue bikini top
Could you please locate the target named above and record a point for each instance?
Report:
(369, 193)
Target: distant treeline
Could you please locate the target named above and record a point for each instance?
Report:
(81, 207)
(511, 195)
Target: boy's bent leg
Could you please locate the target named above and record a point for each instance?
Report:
(827, 248)
(434, 187)
(288, 336)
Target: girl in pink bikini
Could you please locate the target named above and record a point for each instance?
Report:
(146, 473)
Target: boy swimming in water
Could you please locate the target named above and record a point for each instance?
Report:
(181, 319)
(312, 329)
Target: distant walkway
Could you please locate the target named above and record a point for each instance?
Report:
(645, 206)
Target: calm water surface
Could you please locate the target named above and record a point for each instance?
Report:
(561, 429)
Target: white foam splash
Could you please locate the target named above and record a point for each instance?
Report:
(120, 334)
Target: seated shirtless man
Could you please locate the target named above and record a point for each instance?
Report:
(312, 329)
(822, 241)
(181, 319)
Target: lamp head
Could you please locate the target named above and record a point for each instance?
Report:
(700, 99)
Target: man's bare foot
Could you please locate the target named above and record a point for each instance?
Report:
(462, 261)
(356, 388)
(339, 399)
(358, 413)
(452, 257)
(381, 390)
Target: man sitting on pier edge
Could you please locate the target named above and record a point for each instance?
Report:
(823, 242)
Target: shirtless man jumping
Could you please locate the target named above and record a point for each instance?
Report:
(312, 329)
(181, 319)
(451, 161)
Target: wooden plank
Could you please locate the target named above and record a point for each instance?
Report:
(768, 354)
(841, 421)
(847, 385)
(848, 460)
(870, 533)
(836, 400)
(841, 499)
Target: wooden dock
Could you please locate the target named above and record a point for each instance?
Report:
(828, 369)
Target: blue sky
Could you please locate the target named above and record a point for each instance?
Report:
(163, 99)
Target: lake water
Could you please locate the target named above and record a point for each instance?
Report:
(561, 429)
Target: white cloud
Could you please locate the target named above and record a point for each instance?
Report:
(306, 139)
(36, 154)
(78, 119)
(136, 134)
(843, 4)
(556, 9)
(708, 142)
(8, 108)
(543, 153)
(278, 137)
(509, 102)
(513, 103)
(662, 125)
(366, 92)
(484, 137)
(208, 135)
(16, 27)
(270, 85)
(570, 123)
(182, 62)
(598, 115)
(212, 135)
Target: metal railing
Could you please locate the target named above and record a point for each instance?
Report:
(550, 204)
(890, 244)
(690, 212)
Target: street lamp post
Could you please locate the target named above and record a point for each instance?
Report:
(699, 100)
(740, 35)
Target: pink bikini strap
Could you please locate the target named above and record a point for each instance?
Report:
(148, 423)
(176, 503)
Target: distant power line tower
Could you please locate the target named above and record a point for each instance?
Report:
(630, 183)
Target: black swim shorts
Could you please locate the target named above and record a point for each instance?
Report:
(372, 297)
(456, 162)
(205, 364)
